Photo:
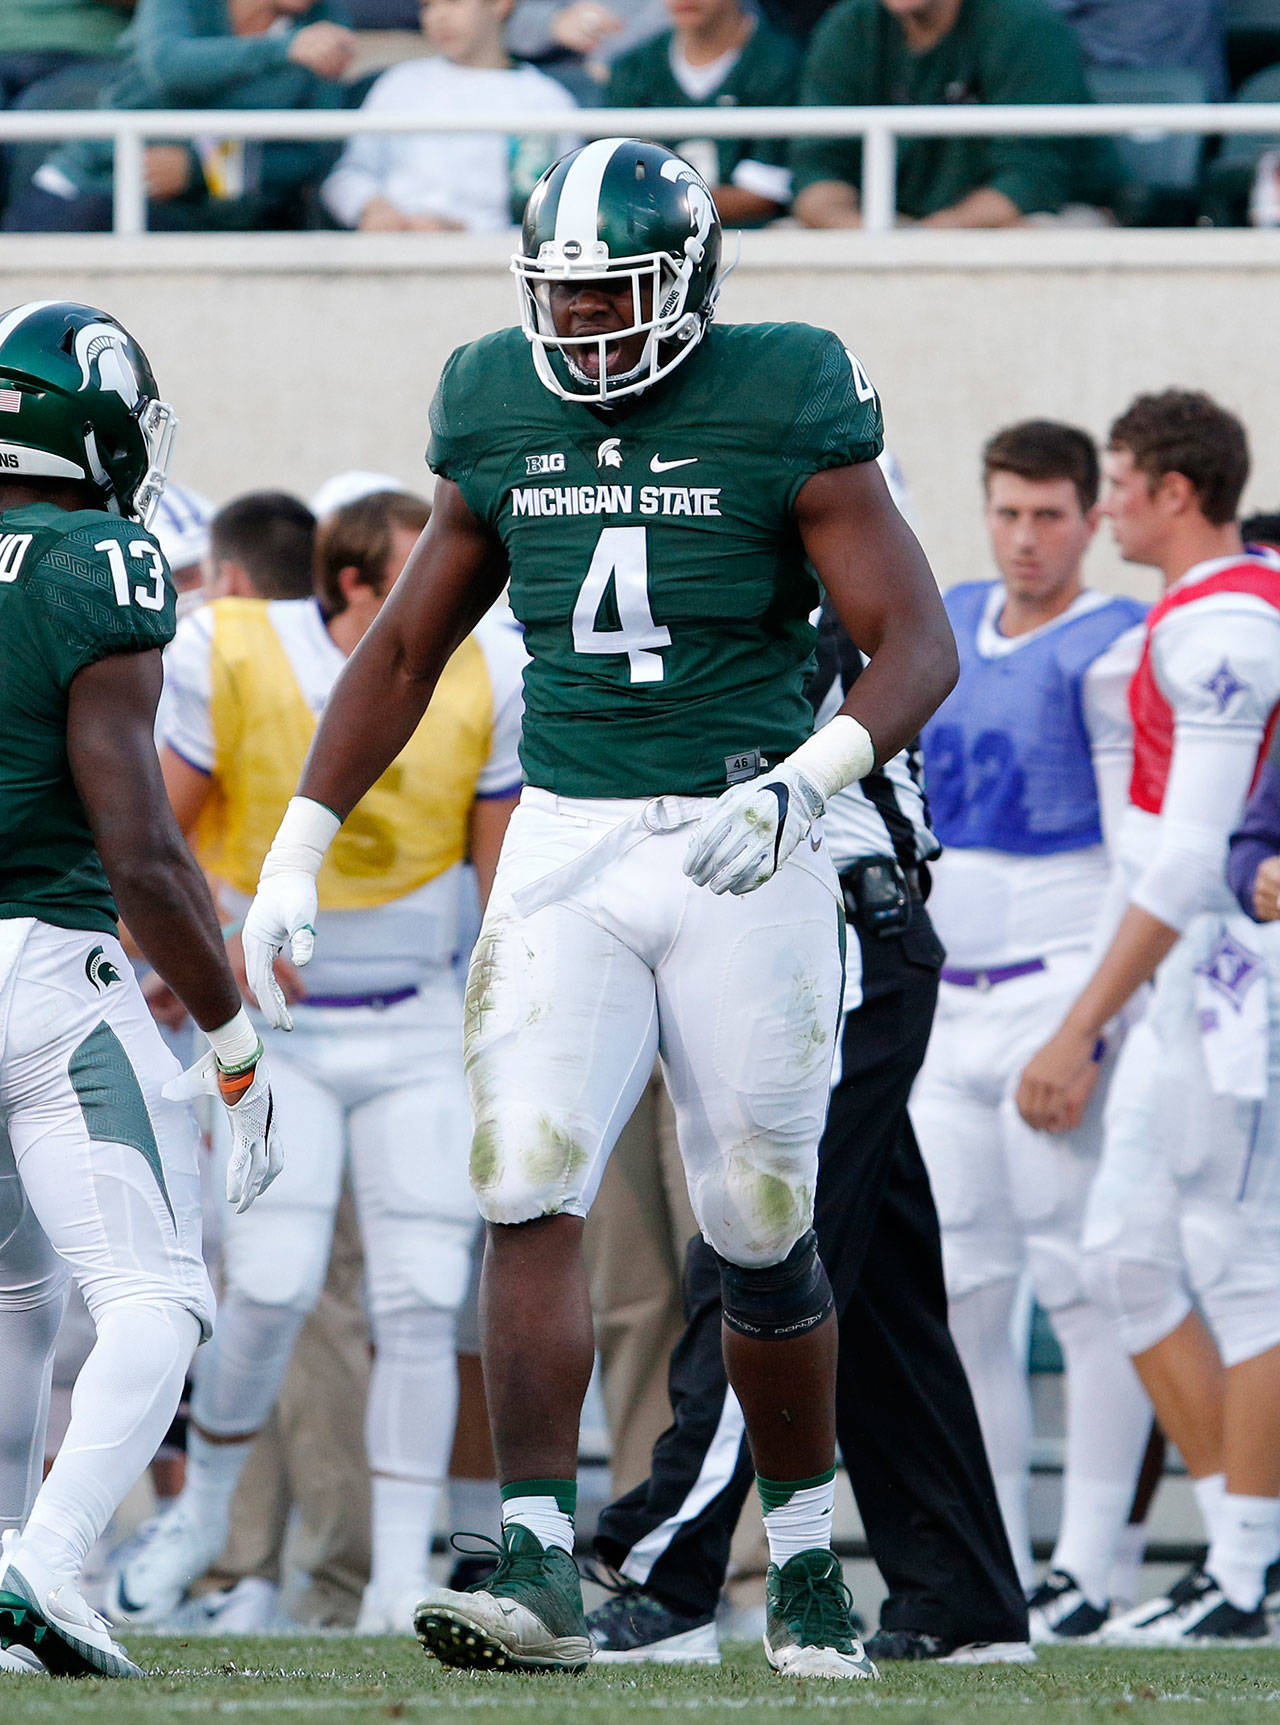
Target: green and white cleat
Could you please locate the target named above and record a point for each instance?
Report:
(53, 1624)
(808, 1632)
(526, 1616)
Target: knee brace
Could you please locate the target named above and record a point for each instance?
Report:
(777, 1301)
(1145, 1301)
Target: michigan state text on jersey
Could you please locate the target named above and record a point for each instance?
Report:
(655, 490)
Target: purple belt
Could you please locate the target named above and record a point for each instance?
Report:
(393, 997)
(984, 979)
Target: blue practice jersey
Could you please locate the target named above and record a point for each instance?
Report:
(1007, 756)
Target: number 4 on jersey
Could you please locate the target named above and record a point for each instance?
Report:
(621, 556)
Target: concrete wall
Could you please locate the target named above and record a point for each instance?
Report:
(292, 357)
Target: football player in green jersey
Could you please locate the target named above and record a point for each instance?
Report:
(98, 1171)
(659, 491)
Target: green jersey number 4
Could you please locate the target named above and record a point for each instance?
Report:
(621, 557)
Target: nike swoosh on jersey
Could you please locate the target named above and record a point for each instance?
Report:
(658, 465)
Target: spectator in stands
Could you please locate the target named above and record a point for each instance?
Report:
(872, 52)
(578, 42)
(1154, 34)
(205, 54)
(720, 54)
(41, 37)
(428, 182)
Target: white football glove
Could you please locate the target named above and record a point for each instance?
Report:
(751, 830)
(285, 905)
(245, 1093)
(283, 913)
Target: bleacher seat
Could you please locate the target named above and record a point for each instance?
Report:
(1164, 168)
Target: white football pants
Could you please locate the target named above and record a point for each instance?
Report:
(591, 960)
(1187, 1201)
(381, 1091)
(98, 1175)
(1011, 1200)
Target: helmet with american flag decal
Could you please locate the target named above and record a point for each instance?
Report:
(78, 401)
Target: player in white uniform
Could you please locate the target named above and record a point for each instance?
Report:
(372, 1076)
(1026, 765)
(1182, 1233)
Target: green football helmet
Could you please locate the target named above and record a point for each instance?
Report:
(619, 208)
(78, 401)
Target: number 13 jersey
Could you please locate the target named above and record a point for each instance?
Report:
(656, 564)
(75, 587)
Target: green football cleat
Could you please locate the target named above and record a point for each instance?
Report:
(808, 1632)
(526, 1616)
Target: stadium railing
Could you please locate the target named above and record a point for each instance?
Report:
(879, 129)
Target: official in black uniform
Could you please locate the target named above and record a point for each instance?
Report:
(904, 1414)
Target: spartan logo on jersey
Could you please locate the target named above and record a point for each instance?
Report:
(100, 970)
(609, 453)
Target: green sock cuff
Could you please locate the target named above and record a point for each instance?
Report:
(565, 1492)
(775, 1492)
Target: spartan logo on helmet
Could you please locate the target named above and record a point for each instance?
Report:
(90, 407)
(103, 345)
(100, 970)
(619, 209)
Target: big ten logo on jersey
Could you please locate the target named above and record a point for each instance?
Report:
(13, 548)
(551, 463)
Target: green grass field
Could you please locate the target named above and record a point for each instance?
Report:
(337, 1680)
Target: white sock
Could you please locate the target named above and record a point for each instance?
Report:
(1210, 1491)
(122, 1405)
(1108, 1426)
(1093, 1513)
(409, 1421)
(1125, 1581)
(413, 1394)
(1243, 1546)
(475, 1506)
(27, 1336)
(547, 1513)
(802, 1522)
(981, 1323)
(404, 1513)
(213, 1472)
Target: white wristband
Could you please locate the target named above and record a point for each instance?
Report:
(236, 1042)
(302, 838)
(835, 756)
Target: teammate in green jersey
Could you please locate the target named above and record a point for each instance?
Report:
(659, 493)
(98, 1171)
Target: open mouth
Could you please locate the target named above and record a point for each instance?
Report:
(587, 357)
